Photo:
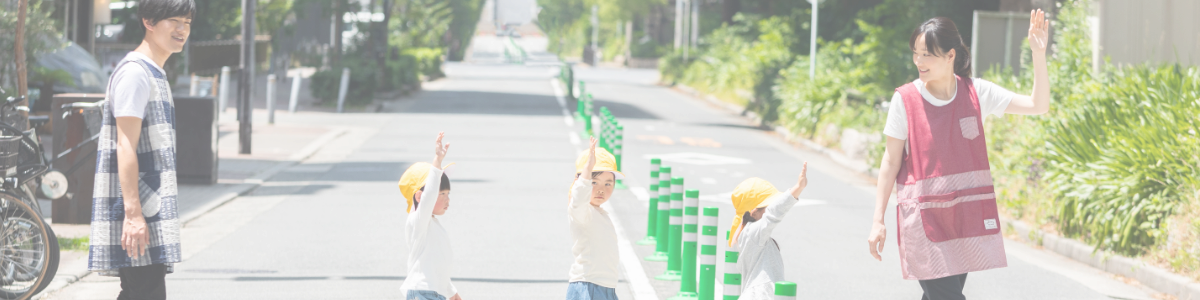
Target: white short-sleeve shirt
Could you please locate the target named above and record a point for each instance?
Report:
(993, 100)
(131, 87)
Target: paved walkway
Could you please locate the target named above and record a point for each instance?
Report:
(292, 139)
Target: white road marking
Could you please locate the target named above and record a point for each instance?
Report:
(638, 283)
(562, 103)
(702, 159)
(574, 138)
(640, 193)
(708, 180)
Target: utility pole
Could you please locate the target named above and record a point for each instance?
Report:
(595, 33)
(812, 42)
(684, 32)
(246, 77)
(695, 22)
(678, 24)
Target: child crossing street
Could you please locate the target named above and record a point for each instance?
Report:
(759, 209)
(595, 270)
(430, 258)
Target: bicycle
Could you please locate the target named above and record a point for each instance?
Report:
(29, 251)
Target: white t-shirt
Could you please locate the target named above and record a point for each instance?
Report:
(993, 100)
(131, 87)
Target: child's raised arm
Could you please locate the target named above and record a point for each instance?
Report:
(439, 151)
(801, 182)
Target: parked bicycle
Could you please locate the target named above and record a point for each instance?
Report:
(29, 251)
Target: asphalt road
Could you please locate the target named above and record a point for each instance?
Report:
(332, 226)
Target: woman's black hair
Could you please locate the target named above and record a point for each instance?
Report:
(158, 10)
(445, 186)
(940, 37)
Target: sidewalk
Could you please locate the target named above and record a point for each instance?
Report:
(275, 147)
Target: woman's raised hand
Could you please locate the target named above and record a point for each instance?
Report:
(591, 164)
(439, 151)
(1039, 28)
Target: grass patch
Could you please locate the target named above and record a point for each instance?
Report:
(73, 244)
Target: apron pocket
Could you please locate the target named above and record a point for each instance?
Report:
(969, 127)
(965, 219)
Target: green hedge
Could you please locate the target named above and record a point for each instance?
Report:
(362, 85)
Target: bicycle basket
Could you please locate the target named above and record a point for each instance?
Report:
(9, 147)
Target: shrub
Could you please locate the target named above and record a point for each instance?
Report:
(361, 88)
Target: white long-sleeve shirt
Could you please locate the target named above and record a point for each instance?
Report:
(594, 237)
(430, 258)
(760, 262)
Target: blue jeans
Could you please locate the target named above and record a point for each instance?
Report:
(423, 295)
(583, 290)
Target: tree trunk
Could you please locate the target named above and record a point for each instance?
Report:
(22, 88)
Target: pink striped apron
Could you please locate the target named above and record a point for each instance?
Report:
(946, 212)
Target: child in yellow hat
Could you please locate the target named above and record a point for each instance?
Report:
(430, 257)
(594, 272)
(759, 208)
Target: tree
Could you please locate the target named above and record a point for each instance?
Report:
(41, 36)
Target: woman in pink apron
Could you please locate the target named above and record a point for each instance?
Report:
(936, 158)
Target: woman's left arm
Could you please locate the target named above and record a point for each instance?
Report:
(1039, 102)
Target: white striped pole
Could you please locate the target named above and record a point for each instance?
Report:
(708, 254)
(691, 203)
(785, 290)
(733, 276)
(662, 237)
(675, 232)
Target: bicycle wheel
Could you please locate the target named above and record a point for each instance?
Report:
(52, 266)
(24, 248)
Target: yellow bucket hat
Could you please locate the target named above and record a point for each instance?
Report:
(414, 179)
(752, 193)
(605, 162)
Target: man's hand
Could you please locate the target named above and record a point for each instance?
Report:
(134, 235)
(591, 164)
(439, 151)
(455, 297)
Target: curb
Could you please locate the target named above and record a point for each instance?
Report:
(1151, 276)
(250, 184)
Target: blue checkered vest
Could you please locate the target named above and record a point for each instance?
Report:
(156, 184)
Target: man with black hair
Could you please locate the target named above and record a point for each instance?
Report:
(135, 223)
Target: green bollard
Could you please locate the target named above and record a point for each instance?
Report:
(663, 237)
(687, 288)
(619, 142)
(675, 245)
(588, 117)
(580, 101)
(652, 216)
(785, 290)
(708, 254)
(733, 276)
